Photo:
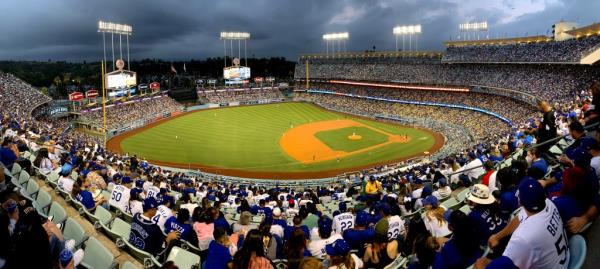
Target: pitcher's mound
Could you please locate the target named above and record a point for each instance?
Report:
(354, 137)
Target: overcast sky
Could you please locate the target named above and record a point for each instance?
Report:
(185, 29)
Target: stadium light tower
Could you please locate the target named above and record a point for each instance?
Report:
(231, 36)
(118, 29)
(473, 27)
(333, 37)
(407, 30)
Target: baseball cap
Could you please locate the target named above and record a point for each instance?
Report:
(371, 178)
(139, 183)
(480, 194)
(472, 155)
(447, 214)
(443, 182)
(167, 199)
(150, 203)
(163, 190)
(65, 257)
(418, 181)
(343, 207)
(338, 248)
(532, 195)
(385, 207)
(362, 218)
(10, 205)
(325, 224)
(277, 212)
(430, 200)
(126, 180)
(134, 192)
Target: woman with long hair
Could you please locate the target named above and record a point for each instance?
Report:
(295, 249)
(434, 217)
(244, 206)
(381, 253)
(43, 162)
(252, 253)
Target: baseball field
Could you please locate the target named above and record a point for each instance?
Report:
(282, 141)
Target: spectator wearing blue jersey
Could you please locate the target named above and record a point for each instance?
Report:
(536, 160)
(181, 224)
(85, 197)
(219, 253)
(7, 155)
(297, 225)
(462, 249)
(261, 209)
(360, 235)
(484, 215)
(145, 234)
(220, 220)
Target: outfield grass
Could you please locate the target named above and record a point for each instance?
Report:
(246, 138)
(338, 139)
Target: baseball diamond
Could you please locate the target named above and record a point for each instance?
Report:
(285, 140)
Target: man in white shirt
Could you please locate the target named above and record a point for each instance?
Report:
(472, 170)
(164, 212)
(343, 221)
(326, 237)
(119, 196)
(65, 182)
(444, 191)
(153, 190)
(538, 237)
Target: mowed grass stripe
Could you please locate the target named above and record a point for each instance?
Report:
(248, 138)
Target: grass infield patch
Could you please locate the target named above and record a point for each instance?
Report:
(338, 139)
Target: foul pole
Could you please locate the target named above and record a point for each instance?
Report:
(103, 104)
(307, 85)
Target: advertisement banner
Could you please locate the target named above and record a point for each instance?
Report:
(76, 96)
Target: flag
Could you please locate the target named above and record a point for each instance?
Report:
(184, 70)
(173, 69)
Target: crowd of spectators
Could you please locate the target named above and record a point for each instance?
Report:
(371, 224)
(509, 108)
(483, 127)
(567, 51)
(239, 95)
(547, 82)
(143, 109)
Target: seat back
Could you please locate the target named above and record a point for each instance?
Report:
(121, 228)
(102, 215)
(462, 194)
(128, 265)
(465, 209)
(72, 230)
(142, 256)
(57, 212)
(97, 256)
(577, 251)
(16, 169)
(23, 178)
(32, 188)
(450, 203)
(182, 258)
(43, 200)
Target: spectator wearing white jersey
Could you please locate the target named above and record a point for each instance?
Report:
(538, 237)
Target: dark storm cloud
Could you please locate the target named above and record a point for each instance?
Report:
(184, 29)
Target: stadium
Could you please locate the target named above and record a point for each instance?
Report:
(484, 154)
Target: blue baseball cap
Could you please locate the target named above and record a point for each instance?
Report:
(362, 218)
(65, 257)
(66, 169)
(418, 181)
(443, 182)
(325, 224)
(532, 195)
(338, 248)
(385, 208)
(126, 180)
(372, 178)
(430, 200)
(10, 205)
(150, 203)
(343, 207)
(447, 214)
(163, 190)
(134, 192)
(167, 199)
(139, 183)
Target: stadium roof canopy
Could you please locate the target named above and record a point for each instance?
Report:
(499, 41)
(375, 54)
(585, 31)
